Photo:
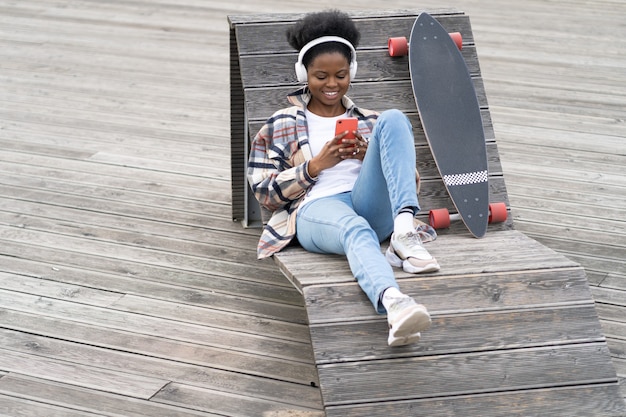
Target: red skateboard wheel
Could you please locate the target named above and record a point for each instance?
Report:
(398, 46)
(458, 39)
(497, 212)
(439, 218)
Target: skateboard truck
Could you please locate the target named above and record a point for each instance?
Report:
(441, 218)
(400, 46)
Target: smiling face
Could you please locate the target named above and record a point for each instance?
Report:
(328, 79)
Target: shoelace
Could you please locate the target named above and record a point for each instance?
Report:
(412, 239)
(399, 303)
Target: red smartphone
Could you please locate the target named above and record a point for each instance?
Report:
(350, 124)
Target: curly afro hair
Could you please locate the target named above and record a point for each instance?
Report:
(325, 23)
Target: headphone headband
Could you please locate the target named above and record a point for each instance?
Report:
(301, 70)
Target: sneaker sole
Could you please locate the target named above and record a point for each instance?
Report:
(414, 321)
(412, 269)
(395, 261)
(403, 341)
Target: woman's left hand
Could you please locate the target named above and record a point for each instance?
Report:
(357, 151)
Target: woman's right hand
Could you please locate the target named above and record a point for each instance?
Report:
(333, 152)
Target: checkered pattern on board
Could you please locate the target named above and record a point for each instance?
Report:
(465, 179)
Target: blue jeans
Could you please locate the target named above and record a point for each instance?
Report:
(355, 223)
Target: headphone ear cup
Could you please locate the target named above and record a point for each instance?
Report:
(301, 72)
(353, 67)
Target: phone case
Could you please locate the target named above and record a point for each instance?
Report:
(350, 124)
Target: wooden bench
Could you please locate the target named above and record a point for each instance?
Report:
(514, 331)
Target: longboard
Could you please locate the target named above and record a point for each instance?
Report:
(450, 115)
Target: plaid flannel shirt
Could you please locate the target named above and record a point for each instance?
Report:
(278, 167)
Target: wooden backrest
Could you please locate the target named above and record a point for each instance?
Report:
(262, 74)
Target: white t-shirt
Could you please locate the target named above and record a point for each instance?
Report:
(334, 180)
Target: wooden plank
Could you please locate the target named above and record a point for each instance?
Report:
(614, 281)
(238, 136)
(78, 167)
(129, 276)
(613, 297)
(218, 368)
(104, 194)
(517, 120)
(231, 405)
(58, 139)
(17, 407)
(554, 222)
(209, 334)
(519, 126)
(621, 367)
(192, 289)
(593, 401)
(432, 194)
(598, 257)
(86, 246)
(463, 293)
(273, 17)
(263, 102)
(560, 190)
(131, 14)
(457, 333)
(571, 173)
(183, 371)
(258, 71)
(62, 70)
(418, 131)
(38, 215)
(536, 368)
(107, 234)
(20, 389)
(132, 126)
(609, 253)
(544, 98)
(618, 349)
(154, 300)
(84, 375)
(90, 120)
(49, 146)
(268, 38)
(22, 93)
(457, 253)
(12, 198)
(573, 159)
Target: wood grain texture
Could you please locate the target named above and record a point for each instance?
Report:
(114, 185)
(490, 283)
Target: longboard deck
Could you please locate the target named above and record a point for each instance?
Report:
(450, 114)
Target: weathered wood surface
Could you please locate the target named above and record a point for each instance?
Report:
(115, 184)
(262, 76)
(125, 287)
(486, 285)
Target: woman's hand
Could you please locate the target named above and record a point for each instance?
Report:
(357, 148)
(337, 150)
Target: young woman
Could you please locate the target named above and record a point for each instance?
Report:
(337, 195)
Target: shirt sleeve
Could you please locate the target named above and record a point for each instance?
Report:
(274, 180)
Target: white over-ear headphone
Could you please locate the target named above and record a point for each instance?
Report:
(301, 69)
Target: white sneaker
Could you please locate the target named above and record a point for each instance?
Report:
(394, 341)
(407, 252)
(406, 320)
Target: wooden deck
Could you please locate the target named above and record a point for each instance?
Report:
(127, 289)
